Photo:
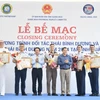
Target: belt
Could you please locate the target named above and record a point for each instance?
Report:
(37, 68)
(64, 68)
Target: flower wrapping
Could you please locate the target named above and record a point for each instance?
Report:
(52, 60)
(17, 57)
(52, 64)
(87, 60)
(74, 65)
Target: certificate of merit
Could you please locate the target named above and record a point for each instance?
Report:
(4, 57)
(25, 62)
(95, 62)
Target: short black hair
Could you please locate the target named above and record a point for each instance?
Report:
(51, 44)
(37, 48)
(92, 45)
(64, 48)
(21, 44)
(80, 46)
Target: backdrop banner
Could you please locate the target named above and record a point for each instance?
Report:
(38, 24)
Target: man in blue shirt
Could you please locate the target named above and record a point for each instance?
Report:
(65, 61)
(37, 63)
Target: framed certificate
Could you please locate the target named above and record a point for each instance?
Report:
(5, 57)
(79, 65)
(95, 62)
(25, 62)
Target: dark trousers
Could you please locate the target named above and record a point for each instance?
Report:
(80, 79)
(37, 75)
(94, 80)
(51, 74)
(20, 74)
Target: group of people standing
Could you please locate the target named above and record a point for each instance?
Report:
(64, 61)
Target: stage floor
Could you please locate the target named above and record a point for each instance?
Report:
(45, 97)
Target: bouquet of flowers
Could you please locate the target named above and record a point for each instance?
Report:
(87, 60)
(52, 60)
(17, 57)
(51, 63)
(74, 65)
(14, 54)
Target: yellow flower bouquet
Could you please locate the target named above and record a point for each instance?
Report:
(87, 60)
(51, 63)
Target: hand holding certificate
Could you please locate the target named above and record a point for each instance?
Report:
(22, 62)
(4, 58)
(92, 62)
(95, 62)
(1, 63)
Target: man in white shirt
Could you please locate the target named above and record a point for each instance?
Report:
(94, 75)
(2, 70)
(80, 74)
(20, 74)
(37, 64)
